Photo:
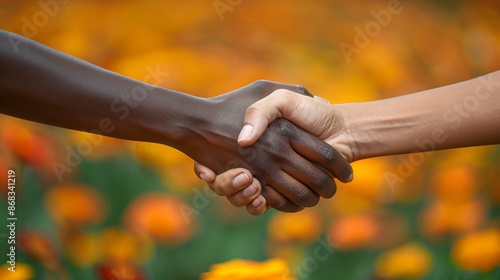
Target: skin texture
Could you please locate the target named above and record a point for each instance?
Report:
(459, 115)
(47, 86)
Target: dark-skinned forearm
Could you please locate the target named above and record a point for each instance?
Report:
(47, 86)
(44, 85)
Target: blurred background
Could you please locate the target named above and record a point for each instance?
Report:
(126, 210)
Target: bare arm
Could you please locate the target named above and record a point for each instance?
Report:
(44, 85)
(459, 115)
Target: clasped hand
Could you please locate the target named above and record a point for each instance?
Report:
(294, 168)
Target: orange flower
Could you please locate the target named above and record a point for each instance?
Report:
(30, 145)
(365, 192)
(478, 251)
(354, 231)
(249, 270)
(304, 226)
(22, 272)
(454, 183)
(444, 217)
(160, 216)
(74, 204)
(40, 248)
(121, 245)
(410, 260)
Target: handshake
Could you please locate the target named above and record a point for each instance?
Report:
(285, 158)
(271, 144)
(290, 164)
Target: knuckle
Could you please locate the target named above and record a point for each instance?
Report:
(321, 180)
(262, 82)
(220, 188)
(255, 211)
(252, 110)
(283, 126)
(215, 188)
(281, 92)
(300, 89)
(263, 85)
(328, 189)
(329, 154)
(306, 198)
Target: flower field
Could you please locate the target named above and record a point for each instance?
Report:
(93, 207)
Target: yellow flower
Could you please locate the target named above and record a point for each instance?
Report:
(82, 248)
(238, 269)
(478, 251)
(22, 272)
(156, 154)
(304, 226)
(410, 260)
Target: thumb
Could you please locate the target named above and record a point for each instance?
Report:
(260, 114)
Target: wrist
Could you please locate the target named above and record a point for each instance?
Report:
(169, 117)
(343, 139)
(368, 129)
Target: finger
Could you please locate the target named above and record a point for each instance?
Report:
(261, 113)
(295, 190)
(231, 181)
(258, 206)
(320, 152)
(312, 176)
(247, 195)
(204, 173)
(278, 201)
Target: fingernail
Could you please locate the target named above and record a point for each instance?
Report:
(249, 191)
(241, 180)
(350, 178)
(203, 177)
(245, 133)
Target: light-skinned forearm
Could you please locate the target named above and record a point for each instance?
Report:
(459, 115)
